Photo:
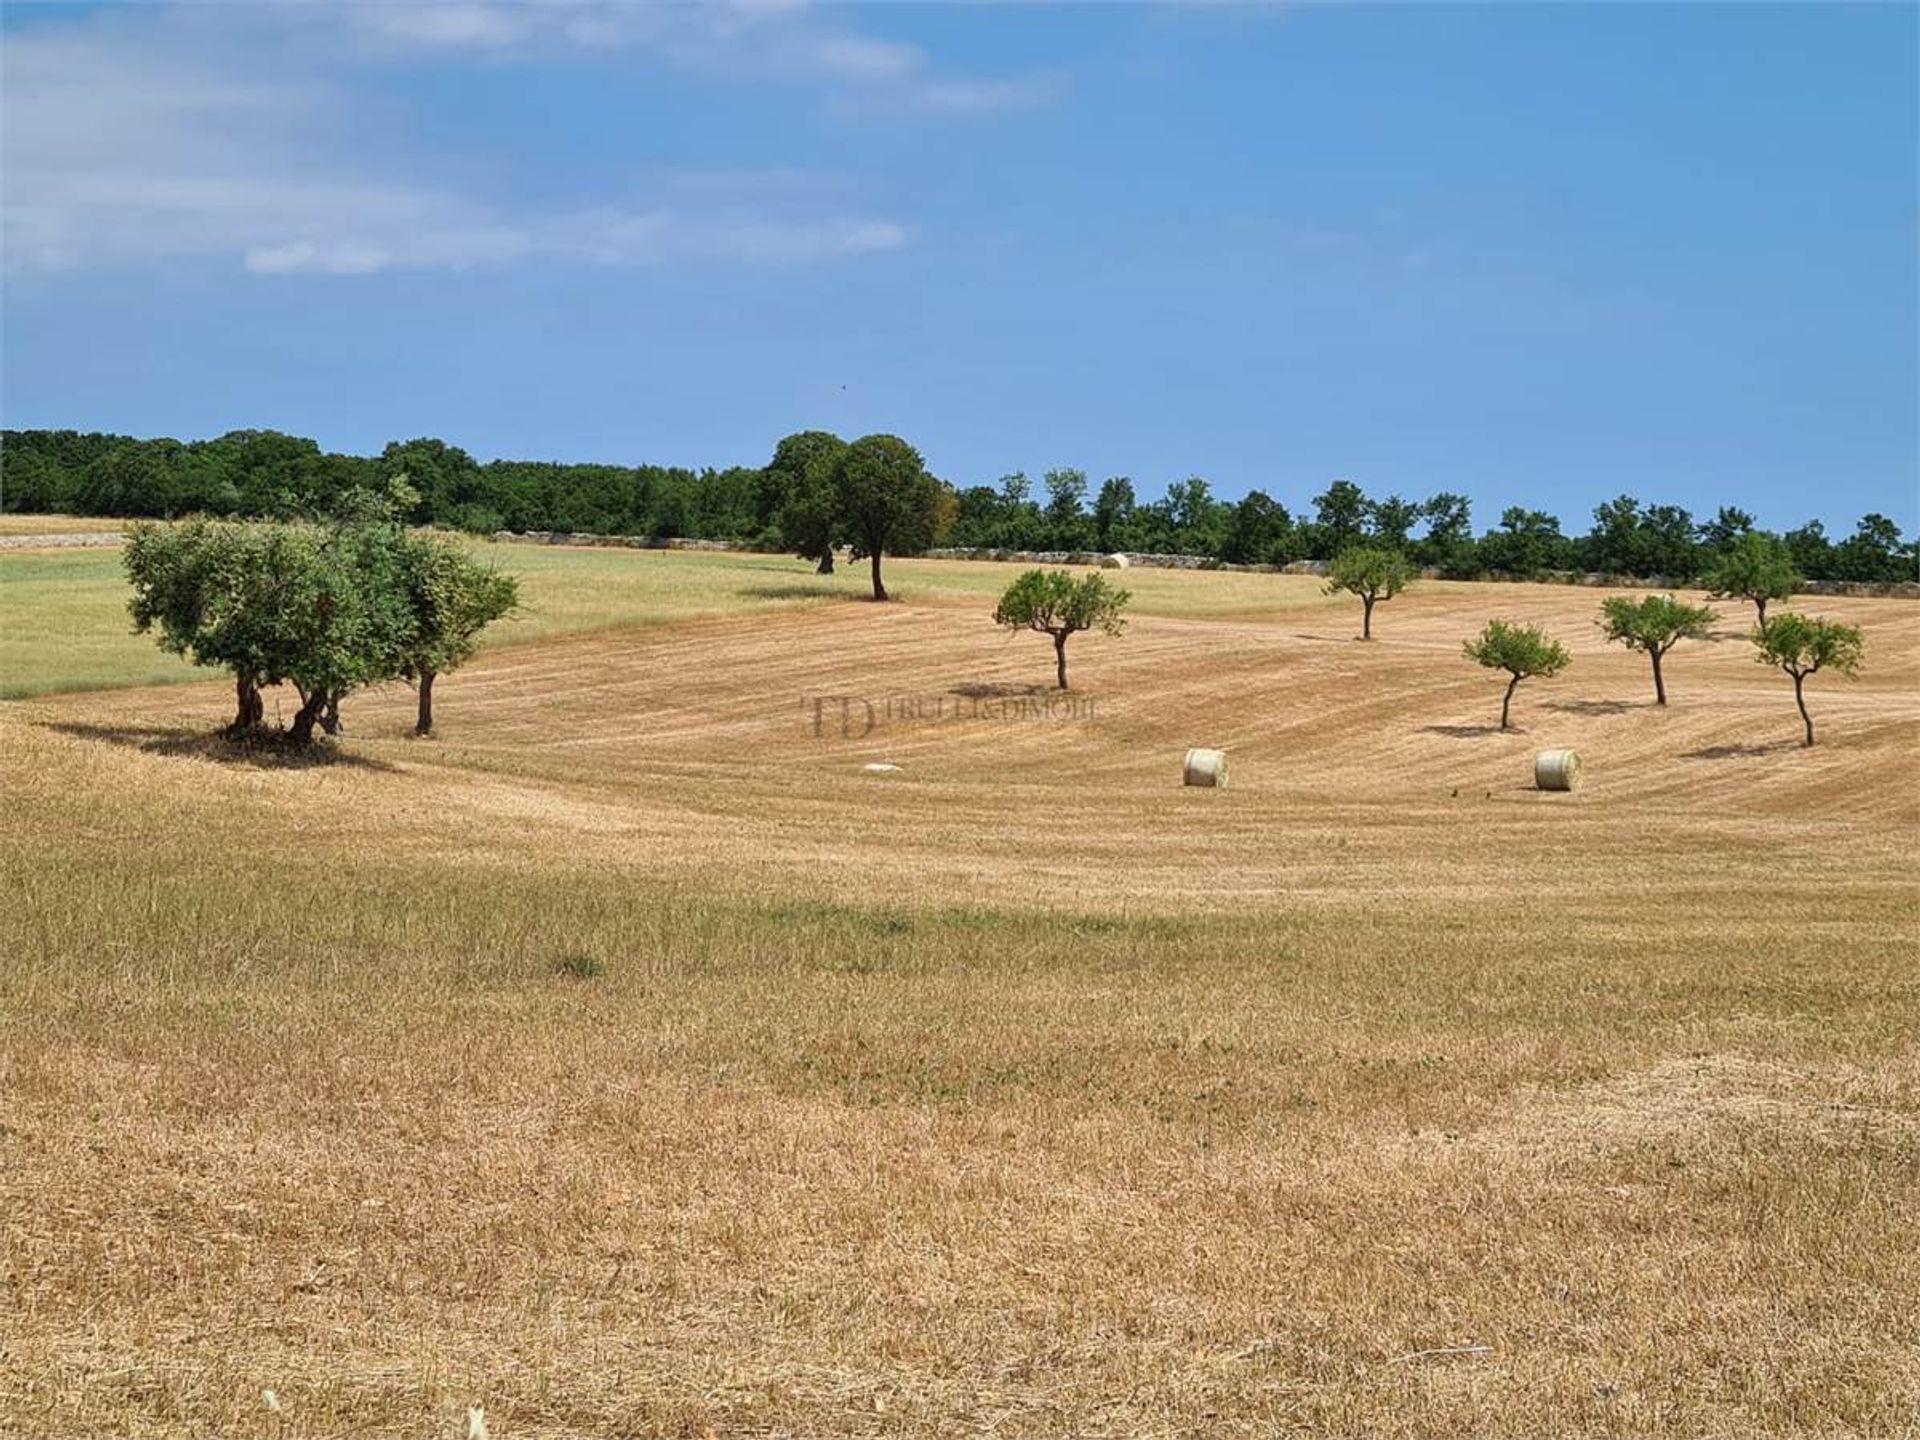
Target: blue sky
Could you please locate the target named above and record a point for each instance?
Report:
(1539, 254)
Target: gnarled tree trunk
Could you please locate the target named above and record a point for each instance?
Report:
(330, 712)
(1366, 616)
(1060, 657)
(1659, 680)
(879, 590)
(249, 708)
(825, 567)
(301, 731)
(1506, 705)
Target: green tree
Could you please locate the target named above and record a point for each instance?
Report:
(1526, 545)
(1392, 521)
(1654, 624)
(1113, 511)
(1258, 531)
(1729, 523)
(796, 493)
(1754, 566)
(885, 498)
(1448, 542)
(1340, 518)
(1802, 645)
(1053, 603)
(1523, 651)
(318, 608)
(1874, 553)
(451, 598)
(1066, 519)
(1372, 574)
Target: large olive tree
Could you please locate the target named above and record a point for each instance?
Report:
(885, 499)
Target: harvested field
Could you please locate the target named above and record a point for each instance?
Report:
(629, 1061)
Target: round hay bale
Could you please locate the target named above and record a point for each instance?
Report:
(881, 767)
(1206, 767)
(1556, 770)
(1115, 561)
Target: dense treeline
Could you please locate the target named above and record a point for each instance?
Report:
(261, 473)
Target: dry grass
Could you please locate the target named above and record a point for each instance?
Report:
(58, 525)
(630, 1062)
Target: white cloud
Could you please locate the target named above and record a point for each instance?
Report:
(126, 143)
(742, 40)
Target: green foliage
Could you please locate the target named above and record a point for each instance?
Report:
(1372, 573)
(796, 492)
(451, 598)
(885, 499)
(1523, 651)
(1653, 623)
(1753, 566)
(1803, 644)
(1054, 603)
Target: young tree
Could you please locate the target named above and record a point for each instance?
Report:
(1804, 644)
(452, 598)
(1053, 603)
(1372, 574)
(1654, 624)
(885, 498)
(1523, 651)
(1754, 566)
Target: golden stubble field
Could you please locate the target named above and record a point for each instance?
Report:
(628, 1061)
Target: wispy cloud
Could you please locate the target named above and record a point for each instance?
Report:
(745, 40)
(126, 143)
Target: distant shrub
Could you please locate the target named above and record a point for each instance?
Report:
(581, 965)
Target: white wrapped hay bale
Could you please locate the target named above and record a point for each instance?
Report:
(1556, 770)
(1207, 768)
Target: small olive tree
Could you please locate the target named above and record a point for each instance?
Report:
(1801, 645)
(1523, 651)
(1654, 624)
(1371, 573)
(1053, 603)
(1756, 567)
(451, 597)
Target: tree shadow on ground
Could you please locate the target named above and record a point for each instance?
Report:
(1741, 752)
(269, 750)
(984, 690)
(1594, 707)
(1329, 639)
(794, 590)
(1464, 732)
